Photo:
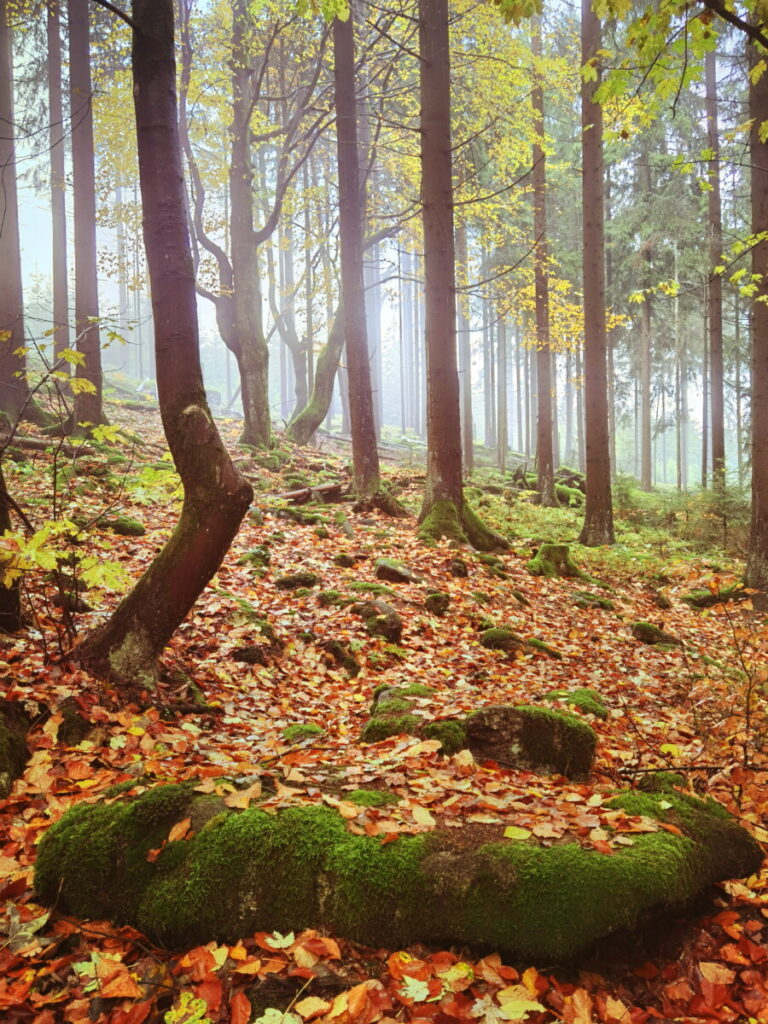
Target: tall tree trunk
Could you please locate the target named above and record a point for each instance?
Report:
(598, 513)
(756, 574)
(444, 512)
(646, 353)
(544, 448)
(15, 400)
(502, 429)
(303, 426)
(127, 647)
(715, 289)
(58, 182)
(365, 456)
(465, 353)
(705, 403)
(88, 403)
(250, 349)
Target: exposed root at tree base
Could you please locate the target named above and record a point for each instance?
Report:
(445, 519)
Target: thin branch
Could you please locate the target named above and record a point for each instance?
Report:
(116, 10)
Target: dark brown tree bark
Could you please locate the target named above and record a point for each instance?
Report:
(715, 283)
(10, 597)
(444, 512)
(127, 648)
(598, 512)
(365, 456)
(544, 425)
(756, 574)
(58, 182)
(15, 400)
(13, 364)
(88, 403)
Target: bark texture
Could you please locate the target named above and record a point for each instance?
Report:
(544, 427)
(598, 513)
(715, 282)
(757, 555)
(126, 649)
(88, 404)
(365, 457)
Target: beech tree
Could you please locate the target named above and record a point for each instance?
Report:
(598, 511)
(127, 647)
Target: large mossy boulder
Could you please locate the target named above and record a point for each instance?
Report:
(231, 873)
(532, 738)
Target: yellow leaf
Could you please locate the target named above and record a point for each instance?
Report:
(515, 832)
(670, 748)
(312, 1006)
(422, 816)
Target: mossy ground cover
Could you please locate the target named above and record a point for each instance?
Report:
(669, 708)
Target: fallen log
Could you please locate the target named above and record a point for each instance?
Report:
(324, 492)
(40, 445)
(186, 870)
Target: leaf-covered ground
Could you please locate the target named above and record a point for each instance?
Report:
(698, 708)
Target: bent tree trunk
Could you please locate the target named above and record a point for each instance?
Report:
(126, 649)
(10, 596)
(305, 423)
(444, 512)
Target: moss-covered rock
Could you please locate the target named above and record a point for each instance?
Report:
(344, 560)
(532, 738)
(302, 731)
(124, 526)
(553, 560)
(343, 657)
(258, 557)
(451, 733)
(705, 598)
(371, 797)
(497, 638)
(295, 580)
(647, 633)
(586, 700)
(381, 727)
(381, 619)
(541, 645)
(329, 598)
(244, 871)
(392, 571)
(369, 587)
(437, 603)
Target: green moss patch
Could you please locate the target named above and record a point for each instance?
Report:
(296, 580)
(371, 797)
(586, 700)
(244, 871)
(302, 731)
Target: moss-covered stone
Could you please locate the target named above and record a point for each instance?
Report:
(500, 639)
(381, 727)
(705, 598)
(302, 731)
(294, 580)
(554, 560)
(437, 603)
(371, 797)
(540, 645)
(569, 496)
(647, 633)
(451, 733)
(343, 657)
(532, 738)
(124, 526)
(328, 598)
(344, 560)
(259, 557)
(586, 700)
(380, 619)
(392, 571)
(246, 871)
(368, 587)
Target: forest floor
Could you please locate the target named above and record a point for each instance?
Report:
(699, 708)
